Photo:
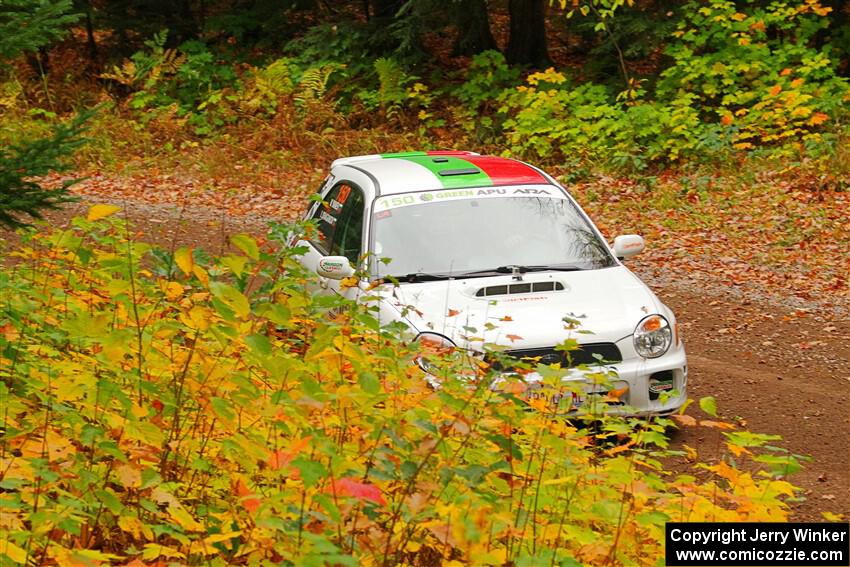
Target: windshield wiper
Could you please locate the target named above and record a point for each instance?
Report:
(419, 277)
(523, 269)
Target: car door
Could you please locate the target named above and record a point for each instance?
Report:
(340, 221)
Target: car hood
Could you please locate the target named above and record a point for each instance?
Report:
(604, 305)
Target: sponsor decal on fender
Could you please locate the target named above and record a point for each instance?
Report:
(330, 266)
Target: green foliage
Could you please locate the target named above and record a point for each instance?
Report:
(200, 410)
(188, 79)
(28, 25)
(488, 74)
(24, 161)
(314, 81)
(754, 68)
(750, 76)
(266, 86)
(344, 43)
(548, 119)
(392, 92)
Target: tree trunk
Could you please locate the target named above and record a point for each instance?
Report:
(473, 25)
(385, 35)
(527, 43)
(90, 41)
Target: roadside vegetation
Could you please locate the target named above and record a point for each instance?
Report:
(172, 407)
(167, 406)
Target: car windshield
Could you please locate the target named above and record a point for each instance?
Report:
(461, 232)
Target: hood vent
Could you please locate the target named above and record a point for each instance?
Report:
(531, 287)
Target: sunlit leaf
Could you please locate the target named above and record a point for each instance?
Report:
(97, 212)
(709, 405)
(184, 260)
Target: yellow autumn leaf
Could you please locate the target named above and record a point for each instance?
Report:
(350, 282)
(129, 476)
(13, 552)
(184, 519)
(197, 317)
(184, 260)
(134, 526)
(154, 551)
(201, 274)
(97, 212)
(216, 538)
(172, 290)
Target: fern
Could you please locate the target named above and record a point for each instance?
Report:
(269, 84)
(146, 69)
(314, 82)
(391, 91)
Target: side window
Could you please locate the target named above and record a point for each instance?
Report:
(349, 235)
(340, 222)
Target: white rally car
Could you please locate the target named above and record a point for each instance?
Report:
(482, 251)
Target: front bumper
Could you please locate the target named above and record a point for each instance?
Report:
(630, 380)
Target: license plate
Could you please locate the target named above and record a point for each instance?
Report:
(565, 400)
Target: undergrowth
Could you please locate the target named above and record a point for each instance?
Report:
(744, 83)
(184, 408)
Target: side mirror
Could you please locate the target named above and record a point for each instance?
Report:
(628, 245)
(334, 267)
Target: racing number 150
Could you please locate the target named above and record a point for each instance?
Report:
(398, 201)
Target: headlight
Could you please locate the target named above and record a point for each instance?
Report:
(434, 344)
(653, 336)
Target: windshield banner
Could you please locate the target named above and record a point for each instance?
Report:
(421, 197)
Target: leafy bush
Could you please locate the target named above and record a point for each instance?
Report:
(189, 80)
(488, 75)
(27, 26)
(549, 119)
(178, 407)
(754, 69)
(24, 160)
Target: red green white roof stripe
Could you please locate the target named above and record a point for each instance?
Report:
(421, 170)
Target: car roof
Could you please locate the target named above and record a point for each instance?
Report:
(420, 171)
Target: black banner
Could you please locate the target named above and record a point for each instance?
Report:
(763, 544)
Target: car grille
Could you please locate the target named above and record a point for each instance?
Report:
(583, 355)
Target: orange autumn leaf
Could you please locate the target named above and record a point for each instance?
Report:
(360, 490)
(9, 332)
(248, 499)
(513, 338)
(716, 424)
(737, 450)
(775, 90)
(453, 312)
(282, 457)
(686, 420)
(818, 118)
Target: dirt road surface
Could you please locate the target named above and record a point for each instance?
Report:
(775, 364)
